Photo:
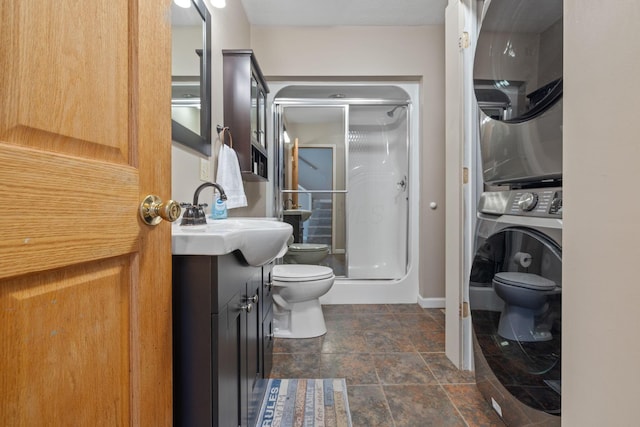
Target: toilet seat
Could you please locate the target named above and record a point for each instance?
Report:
(524, 280)
(301, 273)
(308, 247)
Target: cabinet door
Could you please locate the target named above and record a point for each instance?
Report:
(267, 320)
(254, 109)
(231, 350)
(267, 343)
(254, 321)
(262, 117)
(266, 300)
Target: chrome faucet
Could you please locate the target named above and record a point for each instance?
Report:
(194, 212)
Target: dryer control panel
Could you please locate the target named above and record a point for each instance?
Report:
(544, 202)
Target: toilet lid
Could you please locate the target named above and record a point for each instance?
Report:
(301, 272)
(525, 280)
(302, 247)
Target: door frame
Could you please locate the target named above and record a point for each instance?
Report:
(331, 147)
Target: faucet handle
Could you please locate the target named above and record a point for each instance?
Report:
(195, 212)
(193, 215)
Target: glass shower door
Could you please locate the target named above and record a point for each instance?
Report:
(377, 203)
(348, 165)
(313, 175)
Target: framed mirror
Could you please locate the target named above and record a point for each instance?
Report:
(191, 76)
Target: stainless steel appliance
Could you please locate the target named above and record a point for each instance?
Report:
(515, 294)
(515, 285)
(518, 85)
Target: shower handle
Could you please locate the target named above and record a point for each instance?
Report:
(402, 185)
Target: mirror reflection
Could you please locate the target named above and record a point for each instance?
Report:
(190, 87)
(313, 127)
(314, 167)
(518, 61)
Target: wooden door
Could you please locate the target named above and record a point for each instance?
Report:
(85, 286)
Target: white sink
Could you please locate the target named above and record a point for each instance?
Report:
(305, 214)
(260, 240)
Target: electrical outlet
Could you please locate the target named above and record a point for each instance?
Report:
(205, 170)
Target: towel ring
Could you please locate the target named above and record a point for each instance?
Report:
(222, 132)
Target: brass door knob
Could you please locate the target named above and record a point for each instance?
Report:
(153, 210)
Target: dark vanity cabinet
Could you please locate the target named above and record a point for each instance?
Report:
(245, 111)
(222, 339)
(295, 220)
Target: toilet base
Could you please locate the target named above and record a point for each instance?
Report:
(300, 320)
(518, 324)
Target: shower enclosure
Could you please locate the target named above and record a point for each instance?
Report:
(343, 155)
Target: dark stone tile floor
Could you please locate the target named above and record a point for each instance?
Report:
(392, 357)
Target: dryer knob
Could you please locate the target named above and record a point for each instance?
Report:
(528, 201)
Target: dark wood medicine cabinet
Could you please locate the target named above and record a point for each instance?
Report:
(245, 111)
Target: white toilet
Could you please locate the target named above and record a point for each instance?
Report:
(297, 289)
(306, 253)
(525, 296)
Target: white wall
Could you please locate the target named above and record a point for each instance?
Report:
(601, 288)
(412, 53)
(184, 40)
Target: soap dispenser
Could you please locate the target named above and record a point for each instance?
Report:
(219, 208)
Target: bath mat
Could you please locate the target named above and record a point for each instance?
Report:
(305, 403)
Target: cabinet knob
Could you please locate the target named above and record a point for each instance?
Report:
(247, 307)
(269, 285)
(253, 299)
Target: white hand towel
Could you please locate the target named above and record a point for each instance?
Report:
(229, 177)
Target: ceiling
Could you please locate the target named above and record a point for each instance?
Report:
(344, 12)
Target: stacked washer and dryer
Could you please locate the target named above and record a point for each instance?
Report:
(515, 286)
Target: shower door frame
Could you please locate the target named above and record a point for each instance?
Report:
(345, 103)
(279, 106)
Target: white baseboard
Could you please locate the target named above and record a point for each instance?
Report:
(431, 302)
